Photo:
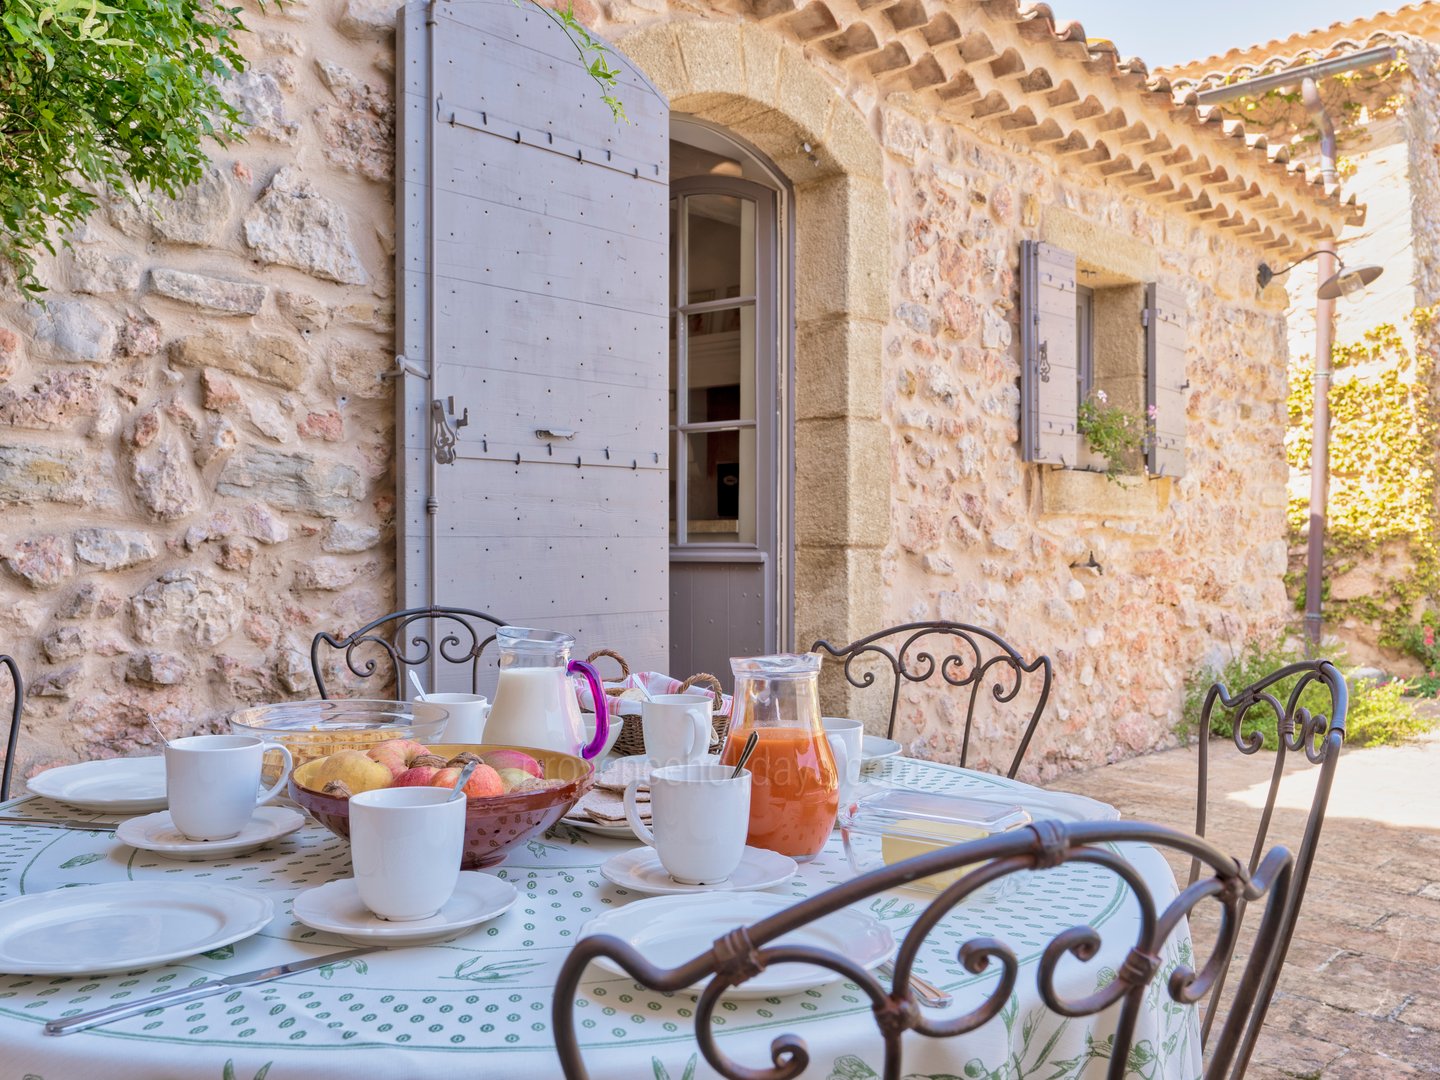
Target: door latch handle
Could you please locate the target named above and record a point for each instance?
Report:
(446, 428)
(554, 433)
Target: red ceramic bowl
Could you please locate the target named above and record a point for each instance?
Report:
(492, 826)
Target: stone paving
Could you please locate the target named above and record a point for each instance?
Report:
(1360, 992)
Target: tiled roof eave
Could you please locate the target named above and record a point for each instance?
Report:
(1418, 20)
(1012, 64)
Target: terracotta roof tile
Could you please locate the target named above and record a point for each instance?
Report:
(1016, 64)
(1418, 19)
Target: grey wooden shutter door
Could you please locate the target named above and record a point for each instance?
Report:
(533, 266)
(1048, 374)
(1165, 377)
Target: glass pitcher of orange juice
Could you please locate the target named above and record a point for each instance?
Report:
(794, 784)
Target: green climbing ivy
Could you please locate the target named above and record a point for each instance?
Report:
(1383, 488)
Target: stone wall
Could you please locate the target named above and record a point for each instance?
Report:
(195, 445)
(1189, 568)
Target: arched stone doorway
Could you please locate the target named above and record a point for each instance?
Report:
(755, 84)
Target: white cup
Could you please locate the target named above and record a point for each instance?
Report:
(701, 817)
(677, 728)
(405, 847)
(846, 738)
(468, 713)
(210, 783)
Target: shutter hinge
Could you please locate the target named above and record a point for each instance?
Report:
(1145, 316)
(404, 366)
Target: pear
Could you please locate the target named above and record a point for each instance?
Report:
(352, 768)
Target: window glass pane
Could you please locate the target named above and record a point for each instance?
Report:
(674, 468)
(721, 259)
(721, 348)
(674, 240)
(720, 481)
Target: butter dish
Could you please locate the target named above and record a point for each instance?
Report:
(891, 826)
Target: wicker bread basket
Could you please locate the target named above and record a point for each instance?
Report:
(632, 738)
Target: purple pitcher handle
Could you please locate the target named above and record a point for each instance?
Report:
(597, 694)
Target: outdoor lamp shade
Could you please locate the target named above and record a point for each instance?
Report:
(1348, 281)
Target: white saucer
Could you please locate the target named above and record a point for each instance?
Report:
(111, 785)
(673, 929)
(335, 907)
(613, 832)
(157, 833)
(123, 925)
(640, 869)
(873, 748)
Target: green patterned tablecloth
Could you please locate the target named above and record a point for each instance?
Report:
(479, 1006)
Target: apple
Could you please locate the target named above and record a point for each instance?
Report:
(397, 755)
(513, 759)
(483, 783)
(419, 776)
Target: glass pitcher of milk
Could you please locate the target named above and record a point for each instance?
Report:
(535, 702)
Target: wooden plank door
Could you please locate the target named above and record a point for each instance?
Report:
(533, 272)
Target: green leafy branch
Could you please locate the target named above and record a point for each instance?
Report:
(593, 54)
(97, 96)
(1112, 432)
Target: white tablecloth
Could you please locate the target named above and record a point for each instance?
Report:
(479, 1006)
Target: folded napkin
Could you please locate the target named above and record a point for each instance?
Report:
(653, 682)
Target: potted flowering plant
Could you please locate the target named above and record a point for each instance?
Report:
(1116, 434)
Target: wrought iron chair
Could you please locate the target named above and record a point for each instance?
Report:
(462, 643)
(1300, 729)
(17, 687)
(746, 951)
(978, 658)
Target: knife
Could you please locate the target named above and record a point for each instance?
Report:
(61, 823)
(202, 990)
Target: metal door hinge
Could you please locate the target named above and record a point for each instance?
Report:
(404, 366)
(1145, 316)
(446, 428)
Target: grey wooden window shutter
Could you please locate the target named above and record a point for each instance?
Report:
(1048, 375)
(1165, 380)
(533, 266)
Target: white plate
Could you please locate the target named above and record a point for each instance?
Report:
(673, 929)
(123, 925)
(157, 833)
(115, 785)
(640, 869)
(335, 907)
(613, 832)
(873, 748)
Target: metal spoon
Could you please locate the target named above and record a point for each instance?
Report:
(464, 775)
(750, 745)
(156, 728)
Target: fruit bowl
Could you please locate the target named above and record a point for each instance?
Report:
(493, 825)
(313, 729)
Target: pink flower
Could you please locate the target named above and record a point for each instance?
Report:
(1429, 636)
(1151, 412)
(1100, 397)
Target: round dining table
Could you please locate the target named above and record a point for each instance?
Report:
(479, 1006)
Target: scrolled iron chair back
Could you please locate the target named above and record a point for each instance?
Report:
(381, 645)
(978, 658)
(745, 952)
(1318, 735)
(17, 688)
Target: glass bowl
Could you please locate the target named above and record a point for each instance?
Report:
(313, 729)
(493, 825)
